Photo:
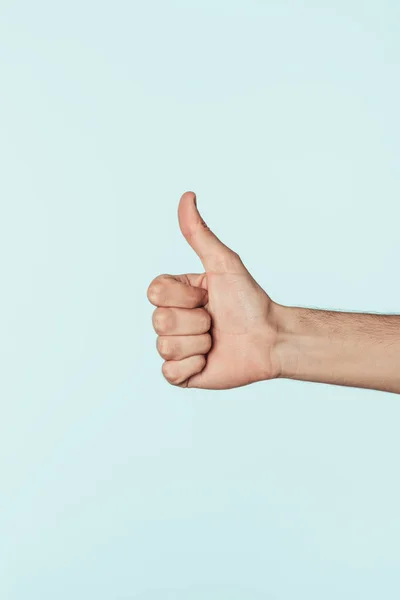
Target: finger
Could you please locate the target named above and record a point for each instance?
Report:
(173, 291)
(181, 321)
(177, 372)
(177, 347)
(214, 255)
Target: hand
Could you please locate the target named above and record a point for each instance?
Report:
(217, 330)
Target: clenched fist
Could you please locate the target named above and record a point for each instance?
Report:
(217, 329)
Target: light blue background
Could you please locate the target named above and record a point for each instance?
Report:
(283, 116)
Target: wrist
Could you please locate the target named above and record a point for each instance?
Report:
(289, 327)
(277, 337)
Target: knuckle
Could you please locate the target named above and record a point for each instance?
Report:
(170, 373)
(160, 346)
(166, 348)
(162, 320)
(155, 291)
(230, 260)
(234, 259)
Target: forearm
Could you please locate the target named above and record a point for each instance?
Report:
(350, 349)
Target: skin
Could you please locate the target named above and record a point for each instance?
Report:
(219, 329)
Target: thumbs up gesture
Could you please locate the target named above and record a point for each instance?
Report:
(217, 329)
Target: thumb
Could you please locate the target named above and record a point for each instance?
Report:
(214, 255)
